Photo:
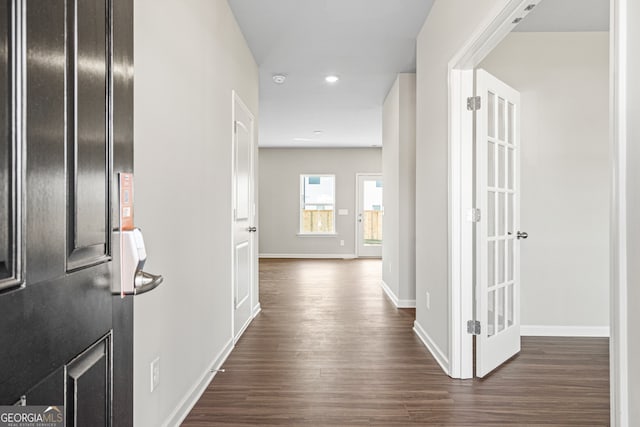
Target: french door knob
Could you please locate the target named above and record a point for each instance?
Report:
(521, 235)
(252, 229)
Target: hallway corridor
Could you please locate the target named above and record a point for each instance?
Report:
(330, 349)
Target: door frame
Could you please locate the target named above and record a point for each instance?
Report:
(253, 295)
(357, 235)
(461, 180)
(461, 194)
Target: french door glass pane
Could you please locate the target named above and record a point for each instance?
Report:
(501, 166)
(501, 309)
(372, 213)
(511, 123)
(501, 244)
(491, 214)
(491, 264)
(510, 166)
(510, 304)
(501, 119)
(491, 164)
(510, 257)
(491, 315)
(491, 123)
(501, 214)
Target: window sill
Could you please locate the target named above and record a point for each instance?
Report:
(316, 234)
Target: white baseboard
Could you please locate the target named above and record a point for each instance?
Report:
(435, 351)
(189, 401)
(399, 303)
(309, 256)
(256, 310)
(564, 331)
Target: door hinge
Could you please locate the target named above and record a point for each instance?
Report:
(474, 103)
(473, 327)
(473, 215)
(235, 126)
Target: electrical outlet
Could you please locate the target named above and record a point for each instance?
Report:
(428, 301)
(341, 242)
(155, 373)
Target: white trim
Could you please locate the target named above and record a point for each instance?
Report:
(244, 328)
(564, 331)
(309, 256)
(237, 101)
(355, 216)
(619, 347)
(461, 260)
(399, 303)
(460, 268)
(197, 390)
(431, 346)
(256, 310)
(302, 204)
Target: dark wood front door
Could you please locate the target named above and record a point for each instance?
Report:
(65, 131)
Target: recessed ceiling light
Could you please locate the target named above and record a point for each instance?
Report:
(279, 78)
(317, 132)
(331, 79)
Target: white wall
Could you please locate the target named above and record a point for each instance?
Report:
(398, 169)
(563, 79)
(449, 25)
(188, 58)
(280, 170)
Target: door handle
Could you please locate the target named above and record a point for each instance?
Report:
(252, 229)
(522, 235)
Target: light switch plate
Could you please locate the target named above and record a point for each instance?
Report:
(343, 212)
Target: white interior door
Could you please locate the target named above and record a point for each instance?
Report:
(369, 215)
(497, 289)
(244, 226)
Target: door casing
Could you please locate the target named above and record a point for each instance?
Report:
(357, 212)
(236, 102)
(461, 181)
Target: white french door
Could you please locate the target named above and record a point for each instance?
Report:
(497, 290)
(369, 215)
(243, 215)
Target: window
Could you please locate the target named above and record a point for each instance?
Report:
(317, 204)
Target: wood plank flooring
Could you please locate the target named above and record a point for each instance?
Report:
(329, 349)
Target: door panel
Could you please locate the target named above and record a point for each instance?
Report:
(57, 110)
(88, 132)
(243, 242)
(369, 215)
(497, 251)
(242, 274)
(45, 133)
(88, 387)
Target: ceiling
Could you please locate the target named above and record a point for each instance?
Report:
(567, 15)
(364, 42)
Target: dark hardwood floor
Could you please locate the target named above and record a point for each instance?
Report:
(330, 349)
